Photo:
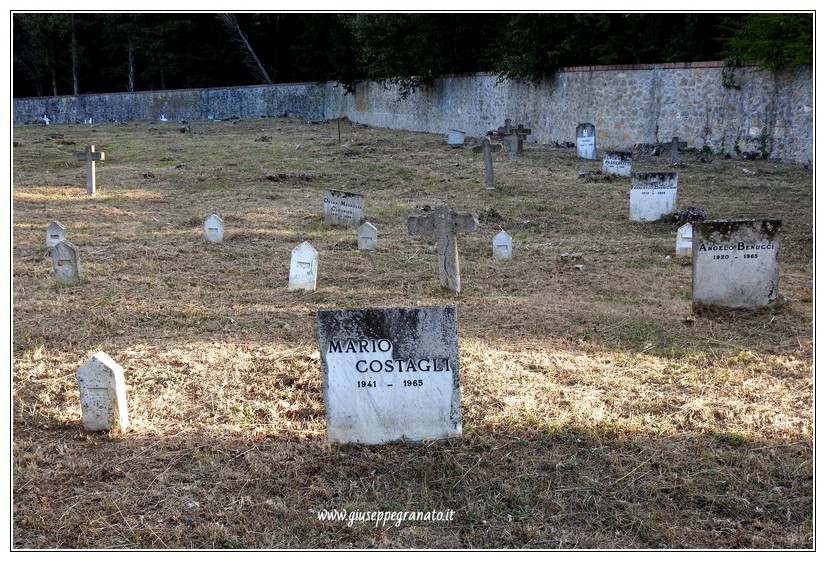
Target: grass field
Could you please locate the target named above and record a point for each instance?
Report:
(600, 411)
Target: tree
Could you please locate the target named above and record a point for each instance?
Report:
(778, 40)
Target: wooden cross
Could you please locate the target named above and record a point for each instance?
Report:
(444, 222)
(90, 156)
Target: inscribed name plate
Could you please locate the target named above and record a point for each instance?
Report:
(617, 163)
(390, 374)
(586, 141)
(735, 263)
(342, 208)
(653, 195)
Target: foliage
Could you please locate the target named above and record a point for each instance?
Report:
(778, 40)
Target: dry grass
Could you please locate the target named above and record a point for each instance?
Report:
(600, 411)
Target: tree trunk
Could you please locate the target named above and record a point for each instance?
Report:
(73, 51)
(130, 75)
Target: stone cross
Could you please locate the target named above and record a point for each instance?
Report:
(505, 132)
(90, 156)
(66, 263)
(521, 133)
(102, 394)
(444, 222)
(55, 234)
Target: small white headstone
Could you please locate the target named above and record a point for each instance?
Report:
(502, 246)
(303, 267)
(367, 236)
(586, 141)
(214, 228)
(390, 374)
(102, 394)
(341, 208)
(653, 195)
(735, 263)
(617, 163)
(55, 234)
(684, 241)
(66, 263)
(455, 137)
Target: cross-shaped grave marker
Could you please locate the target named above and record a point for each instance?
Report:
(444, 222)
(90, 156)
(521, 133)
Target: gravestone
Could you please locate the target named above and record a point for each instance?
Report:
(488, 164)
(456, 138)
(214, 228)
(444, 223)
(586, 141)
(102, 394)
(342, 208)
(735, 263)
(390, 374)
(521, 134)
(502, 246)
(90, 157)
(684, 241)
(303, 268)
(367, 236)
(653, 194)
(66, 263)
(55, 234)
(617, 163)
(505, 132)
(675, 150)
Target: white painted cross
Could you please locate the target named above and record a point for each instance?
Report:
(102, 394)
(90, 156)
(303, 268)
(214, 228)
(444, 222)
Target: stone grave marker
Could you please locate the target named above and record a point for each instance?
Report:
(735, 263)
(214, 229)
(617, 163)
(653, 194)
(102, 394)
(303, 268)
(444, 222)
(675, 150)
(456, 138)
(490, 184)
(684, 241)
(55, 234)
(66, 263)
(505, 132)
(586, 141)
(521, 134)
(367, 236)
(90, 157)
(502, 246)
(390, 374)
(342, 208)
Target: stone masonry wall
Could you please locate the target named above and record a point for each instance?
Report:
(759, 111)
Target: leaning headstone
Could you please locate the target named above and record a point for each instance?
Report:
(55, 234)
(214, 228)
(90, 157)
(367, 236)
(66, 263)
(390, 374)
(684, 241)
(502, 246)
(735, 263)
(617, 163)
(456, 138)
(342, 208)
(653, 194)
(102, 394)
(303, 267)
(586, 141)
(444, 223)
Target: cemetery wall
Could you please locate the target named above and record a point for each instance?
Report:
(745, 109)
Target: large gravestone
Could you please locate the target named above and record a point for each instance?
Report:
(390, 374)
(586, 141)
(735, 263)
(342, 208)
(617, 163)
(214, 228)
(653, 195)
(55, 234)
(66, 263)
(303, 268)
(102, 394)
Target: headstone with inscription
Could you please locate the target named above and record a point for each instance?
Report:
(735, 263)
(214, 228)
(55, 234)
(653, 194)
(586, 141)
(303, 268)
(90, 156)
(502, 246)
(390, 374)
(342, 208)
(684, 245)
(66, 263)
(102, 394)
(617, 163)
(367, 236)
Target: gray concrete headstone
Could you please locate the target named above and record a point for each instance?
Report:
(303, 268)
(617, 163)
(653, 195)
(735, 263)
(684, 241)
(214, 229)
(55, 234)
(367, 236)
(102, 394)
(342, 208)
(456, 138)
(502, 246)
(586, 141)
(488, 164)
(66, 263)
(390, 374)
